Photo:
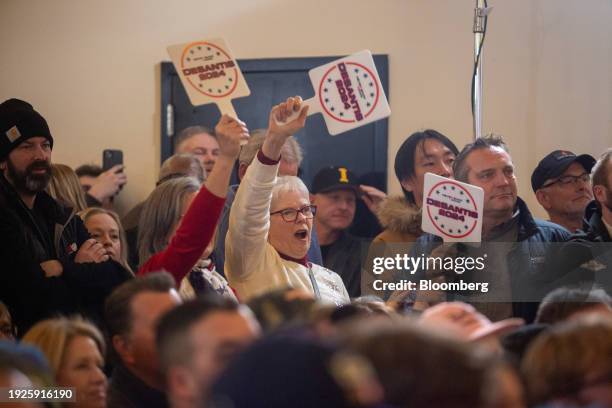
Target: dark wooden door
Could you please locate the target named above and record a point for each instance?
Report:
(271, 81)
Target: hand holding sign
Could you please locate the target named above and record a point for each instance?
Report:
(348, 93)
(209, 73)
(451, 209)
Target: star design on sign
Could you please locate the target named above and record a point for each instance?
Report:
(372, 94)
(218, 53)
(332, 109)
(324, 89)
(442, 225)
(461, 192)
(199, 47)
(436, 218)
(437, 191)
(218, 90)
(329, 79)
(226, 87)
(368, 104)
(453, 188)
(341, 113)
(467, 201)
(444, 188)
(209, 90)
(191, 51)
(356, 70)
(188, 59)
(450, 230)
(365, 75)
(230, 79)
(208, 48)
(200, 85)
(371, 84)
(326, 99)
(465, 226)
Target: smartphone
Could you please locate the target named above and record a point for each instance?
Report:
(111, 158)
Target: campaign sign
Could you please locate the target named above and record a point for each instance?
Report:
(348, 93)
(451, 209)
(209, 73)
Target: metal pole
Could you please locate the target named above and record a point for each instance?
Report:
(480, 13)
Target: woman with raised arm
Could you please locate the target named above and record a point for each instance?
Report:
(179, 244)
(271, 222)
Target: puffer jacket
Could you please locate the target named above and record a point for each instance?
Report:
(401, 221)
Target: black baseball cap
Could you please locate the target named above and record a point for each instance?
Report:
(555, 163)
(334, 178)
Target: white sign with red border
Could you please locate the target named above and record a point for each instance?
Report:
(348, 93)
(209, 73)
(451, 209)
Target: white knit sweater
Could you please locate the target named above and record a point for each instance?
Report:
(252, 265)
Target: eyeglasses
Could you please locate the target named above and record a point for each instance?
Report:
(290, 214)
(567, 180)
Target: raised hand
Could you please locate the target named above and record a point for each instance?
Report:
(108, 184)
(278, 130)
(230, 133)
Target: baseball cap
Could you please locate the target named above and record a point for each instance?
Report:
(18, 122)
(334, 178)
(555, 163)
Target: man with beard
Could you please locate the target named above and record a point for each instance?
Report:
(562, 185)
(49, 264)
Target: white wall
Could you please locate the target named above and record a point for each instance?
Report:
(92, 67)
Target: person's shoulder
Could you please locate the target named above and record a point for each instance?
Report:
(552, 229)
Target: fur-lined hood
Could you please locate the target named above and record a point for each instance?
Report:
(398, 215)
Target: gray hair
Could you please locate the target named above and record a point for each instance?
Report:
(291, 151)
(285, 184)
(191, 131)
(160, 213)
(182, 164)
(460, 168)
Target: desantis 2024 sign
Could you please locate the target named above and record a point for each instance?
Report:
(451, 209)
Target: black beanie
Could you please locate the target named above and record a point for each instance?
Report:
(18, 122)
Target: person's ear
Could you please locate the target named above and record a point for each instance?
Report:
(313, 198)
(181, 383)
(124, 349)
(544, 199)
(599, 192)
(408, 184)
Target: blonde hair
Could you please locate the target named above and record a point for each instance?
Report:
(52, 337)
(90, 212)
(64, 187)
(161, 212)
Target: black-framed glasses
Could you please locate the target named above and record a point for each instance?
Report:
(568, 180)
(290, 214)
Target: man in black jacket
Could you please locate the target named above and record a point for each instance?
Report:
(586, 260)
(49, 265)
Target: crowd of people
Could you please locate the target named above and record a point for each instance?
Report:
(262, 294)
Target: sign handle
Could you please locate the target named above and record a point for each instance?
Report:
(227, 108)
(313, 105)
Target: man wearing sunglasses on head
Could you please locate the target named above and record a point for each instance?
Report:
(562, 185)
